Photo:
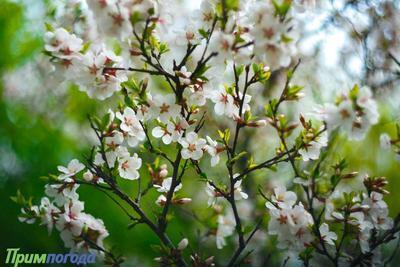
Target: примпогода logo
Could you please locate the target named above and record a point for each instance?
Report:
(15, 258)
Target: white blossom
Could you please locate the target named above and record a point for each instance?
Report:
(161, 200)
(213, 195)
(26, 218)
(224, 103)
(192, 146)
(98, 75)
(214, 151)
(165, 108)
(74, 167)
(61, 193)
(355, 118)
(48, 213)
(131, 125)
(166, 186)
(172, 131)
(63, 45)
(239, 194)
(292, 226)
(312, 149)
(226, 226)
(128, 167)
(282, 198)
(327, 235)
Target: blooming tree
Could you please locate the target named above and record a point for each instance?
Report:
(185, 86)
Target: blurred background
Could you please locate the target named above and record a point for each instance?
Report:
(43, 121)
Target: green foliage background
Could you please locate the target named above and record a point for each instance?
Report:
(40, 144)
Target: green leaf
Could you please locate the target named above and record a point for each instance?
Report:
(282, 9)
(354, 92)
(238, 156)
(203, 33)
(135, 17)
(85, 47)
(48, 27)
(19, 198)
(239, 70)
(163, 48)
(105, 121)
(227, 135)
(269, 109)
(248, 116)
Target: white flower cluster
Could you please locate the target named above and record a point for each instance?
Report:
(88, 69)
(368, 212)
(354, 112)
(289, 221)
(63, 210)
(227, 223)
(274, 38)
(148, 37)
(116, 150)
(90, 61)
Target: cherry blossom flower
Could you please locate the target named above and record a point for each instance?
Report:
(114, 141)
(204, 16)
(48, 213)
(128, 167)
(197, 94)
(98, 77)
(355, 117)
(131, 125)
(161, 200)
(292, 226)
(213, 195)
(88, 176)
(378, 211)
(326, 235)
(61, 193)
(192, 146)
(239, 194)
(112, 18)
(25, 218)
(63, 45)
(214, 151)
(222, 43)
(74, 167)
(162, 132)
(312, 149)
(96, 229)
(274, 39)
(368, 104)
(68, 221)
(172, 131)
(165, 108)
(282, 198)
(245, 105)
(224, 103)
(226, 226)
(166, 186)
(184, 76)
